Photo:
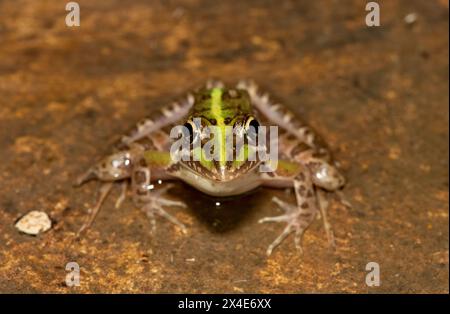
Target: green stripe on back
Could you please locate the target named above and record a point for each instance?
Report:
(216, 105)
(217, 114)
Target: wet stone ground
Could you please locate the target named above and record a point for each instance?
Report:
(379, 96)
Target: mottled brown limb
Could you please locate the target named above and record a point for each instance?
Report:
(323, 207)
(281, 116)
(103, 193)
(165, 116)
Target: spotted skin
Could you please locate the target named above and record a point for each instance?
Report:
(142, 157)
(163, 117)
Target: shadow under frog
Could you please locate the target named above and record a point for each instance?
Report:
(220, 214)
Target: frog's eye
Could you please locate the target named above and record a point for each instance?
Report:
(190, 131)
(251, 128)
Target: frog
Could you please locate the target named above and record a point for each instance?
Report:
(143, 157)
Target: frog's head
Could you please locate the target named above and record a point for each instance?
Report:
(228, 115)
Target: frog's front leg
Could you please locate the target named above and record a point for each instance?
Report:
(150, 201)
(299, 216)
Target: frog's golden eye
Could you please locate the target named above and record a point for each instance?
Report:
(251, 128)
(190, 131)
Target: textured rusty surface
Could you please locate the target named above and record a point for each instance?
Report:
(379, 96)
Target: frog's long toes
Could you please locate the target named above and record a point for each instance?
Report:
(271, 219)
(281, 218)
(103, 193)
(287, 207)
(298, 240)
(290, 228)
(332, 242)
(159, 198)
(343, 200)
(294, 224)
(88, 175)
(160, 191)
(166, 202)
(156, 207)
(151, 216)
(123, 194)
(160, 211)
(287, 230)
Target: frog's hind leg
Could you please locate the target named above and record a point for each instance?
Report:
(282, 116)
(113, 168)
(104, 190)
(323, 207)
(165, 116)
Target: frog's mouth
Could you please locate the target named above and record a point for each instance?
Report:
(219, 171)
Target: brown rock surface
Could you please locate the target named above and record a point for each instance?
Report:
(379, 96)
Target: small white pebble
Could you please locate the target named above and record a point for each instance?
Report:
(217, 203)
(410, 18)
(159, 181)
(34, 222)
(150, 187)
(190, 259)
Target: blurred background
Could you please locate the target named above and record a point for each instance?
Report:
(378, 95)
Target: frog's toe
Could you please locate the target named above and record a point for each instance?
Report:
(86, 176)
(287, 207)
(123, 194)
(104, 191)
(287, 230)
(166, 202)
(343, 199)
(155, 207)
(291, 227)
(295, 223)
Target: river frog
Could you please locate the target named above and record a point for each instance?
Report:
(143, 157)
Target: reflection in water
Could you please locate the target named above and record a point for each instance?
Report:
(222, 214)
